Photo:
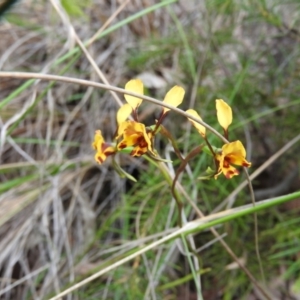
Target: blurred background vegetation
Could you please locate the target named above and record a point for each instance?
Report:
(63, 217)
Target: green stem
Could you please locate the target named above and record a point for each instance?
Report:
(239, 212)
(194, 272)
(187, 246)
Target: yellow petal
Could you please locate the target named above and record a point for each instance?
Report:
(100, 157)
(135, 134)
(129, 140)
(235, 153)
(174, 97)
(123, 113)
(98, 140)
(201, 129)
(122, 127)
(232, 154)
(224, 166)
(230, 171)
(136, 86)
(234, 147)
(102, 149)
(224, 113)
(220, 159)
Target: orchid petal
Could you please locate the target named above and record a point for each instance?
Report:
(201, 129)
(123, 113)
(232, 153)
(224, 113)
(102, 149)
(136, 86)
(135, 134)
(174, 97)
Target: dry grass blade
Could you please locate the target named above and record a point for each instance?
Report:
(67, 22)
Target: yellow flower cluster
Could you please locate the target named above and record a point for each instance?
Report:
(232, 153)
(136, 136)
(132, 133)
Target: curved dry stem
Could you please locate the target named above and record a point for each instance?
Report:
(25, 75)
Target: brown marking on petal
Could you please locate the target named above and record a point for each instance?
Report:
(129, 131)
(107, 149)
(228, 175)
(226, 163)
(122, 145)
(109, 152)
(141, 141)
(246, 164)
(143, 144)
(140, 152)
(231, 173)
(100, 160)
(133, 152)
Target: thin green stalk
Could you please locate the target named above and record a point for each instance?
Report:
(187, 246)
(189, 52)
(16, 92)
(194, 272)
(117, 26)
(239, 82)
(245, 210)
(259, 115)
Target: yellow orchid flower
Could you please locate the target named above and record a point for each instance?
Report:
(201, 129)
(102, 149)
(123, 113)
(232, 153)
(135, 134)
(136, 86)
(173, 97)
(224, 114)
